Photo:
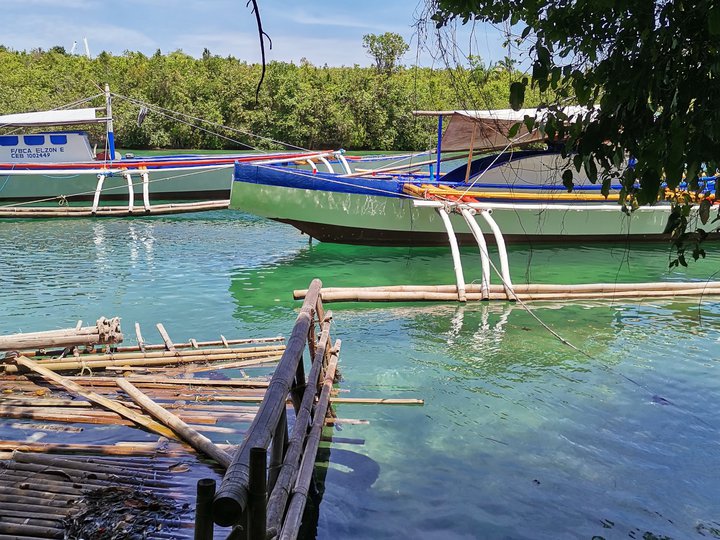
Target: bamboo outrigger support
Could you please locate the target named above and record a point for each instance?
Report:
(110, 211)
(524, 292)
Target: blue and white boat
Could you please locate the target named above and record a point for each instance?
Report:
(516, 192)
(51, 168)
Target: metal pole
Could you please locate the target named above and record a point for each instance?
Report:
(109, 124)
(439, 148)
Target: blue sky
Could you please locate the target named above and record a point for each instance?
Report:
(322, 31)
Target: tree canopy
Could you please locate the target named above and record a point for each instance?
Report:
(647, 72)
(317, 107)
(387, 49)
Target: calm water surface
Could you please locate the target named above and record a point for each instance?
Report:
(520, 436)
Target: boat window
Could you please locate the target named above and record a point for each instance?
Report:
(58, 139)
(33, 140)
(8, 140)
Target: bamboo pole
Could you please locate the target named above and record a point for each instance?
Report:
(257, 362)
(40, 509)
(191, 344)
(165, 337)
(104, 211)
(167, 359)
(94, 397)
(359, 295)
(378, 401)
(231, 498)
(40, 493)
(87, 465)
(142, 380)
(87, 474)
(69, 414)
(193, 438)
(203, 509)
(295, 510)
(524, 288)
(21, 530)
(88, 358)
(194, 344)
(46, 486)
(291, 463)
(257, 493)
(31, 515)
(105, 331)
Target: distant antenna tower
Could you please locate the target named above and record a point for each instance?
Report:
(74, 46)
(87, 48)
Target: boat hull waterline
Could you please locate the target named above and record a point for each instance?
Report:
(343, 214)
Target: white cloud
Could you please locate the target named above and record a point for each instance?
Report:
(46, 31)
(61, 4)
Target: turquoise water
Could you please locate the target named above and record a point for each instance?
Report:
(520, 436)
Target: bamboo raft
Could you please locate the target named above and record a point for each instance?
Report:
(168, 425)
(523, 292)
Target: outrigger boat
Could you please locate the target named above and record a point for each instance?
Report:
(60, 171)
(517, 194)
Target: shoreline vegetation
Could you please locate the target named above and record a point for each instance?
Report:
(307, 106)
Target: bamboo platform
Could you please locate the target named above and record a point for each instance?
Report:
(110, 211)
(523, 292)
(176, 420)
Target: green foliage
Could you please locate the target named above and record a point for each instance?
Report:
(648, 70)
(386, 49)
(304, 105)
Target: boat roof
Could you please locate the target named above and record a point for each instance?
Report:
(488, 129)
(53, 118)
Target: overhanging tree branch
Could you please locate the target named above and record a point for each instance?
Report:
(262, 35)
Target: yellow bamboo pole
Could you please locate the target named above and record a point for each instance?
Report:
(193, 438)
(95, 398)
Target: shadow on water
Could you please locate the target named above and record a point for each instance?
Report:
(271, 282)
(354, 471)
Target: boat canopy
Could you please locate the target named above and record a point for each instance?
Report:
(488, 129)
(53, 118)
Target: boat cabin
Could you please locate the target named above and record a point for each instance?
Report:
(63, 146)
(48, 147)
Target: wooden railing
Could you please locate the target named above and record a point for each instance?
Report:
(265, 498)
